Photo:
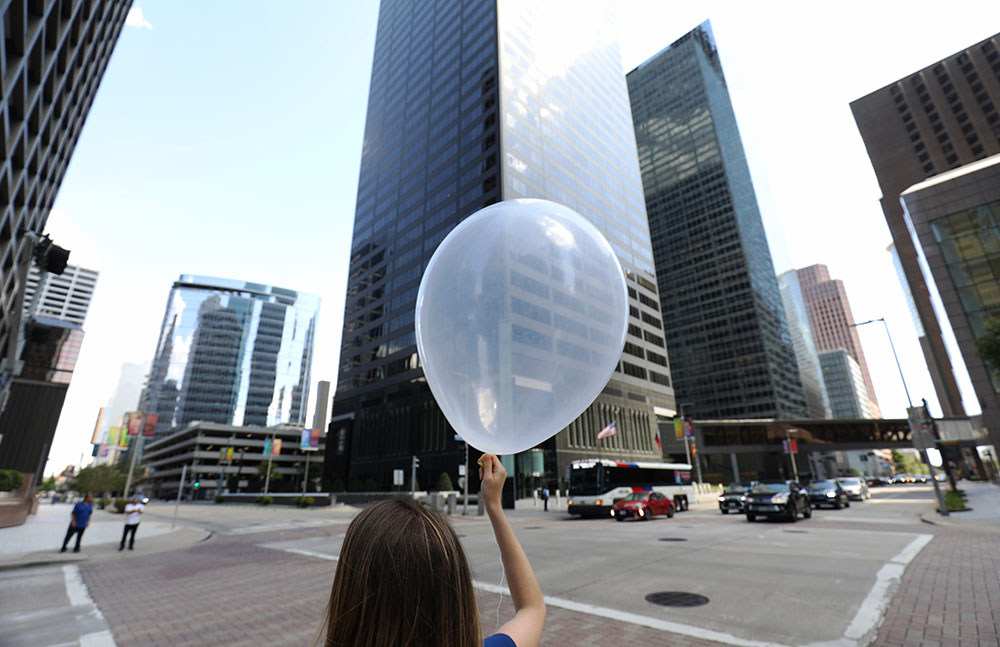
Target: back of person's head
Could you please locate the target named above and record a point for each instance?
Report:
(403, 579)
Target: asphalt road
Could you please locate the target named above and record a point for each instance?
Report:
(775, 582)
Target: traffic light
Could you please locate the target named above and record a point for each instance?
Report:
(50, 257)
(416, 462)
(197, 483)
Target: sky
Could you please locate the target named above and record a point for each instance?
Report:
(225, 140)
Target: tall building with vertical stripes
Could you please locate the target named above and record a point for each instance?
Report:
(471, 103)
(51, 64)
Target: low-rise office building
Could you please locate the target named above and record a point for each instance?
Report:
(226, 459)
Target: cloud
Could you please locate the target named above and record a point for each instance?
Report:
(136, 19)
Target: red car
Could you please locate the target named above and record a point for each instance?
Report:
(642, 505)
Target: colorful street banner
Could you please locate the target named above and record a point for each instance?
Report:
(679, 428)
(314, 438)
(149, 427)
(689, 428)
(134, 423)
(267, 446)
(229, 454)
(309, 440)
(113, 434)
(276, 447)
(304, 440)
(222, 454)
(123, 439)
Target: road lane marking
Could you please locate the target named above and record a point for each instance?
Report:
(869, 616)
(636, 619)
(289, 525)
(78, 595)
(309, 553)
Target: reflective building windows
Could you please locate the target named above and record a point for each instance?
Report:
(730, 349)
(232, 352)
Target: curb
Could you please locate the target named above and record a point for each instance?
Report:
(177, 539)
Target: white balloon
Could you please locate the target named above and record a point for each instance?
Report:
(520, 322)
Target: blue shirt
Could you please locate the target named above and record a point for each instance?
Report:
(81, 513)
(499, 640)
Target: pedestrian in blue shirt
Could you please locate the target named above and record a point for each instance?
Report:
(78, 522)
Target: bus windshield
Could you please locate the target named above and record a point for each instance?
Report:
(585, 481)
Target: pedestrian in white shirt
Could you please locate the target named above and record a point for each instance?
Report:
(132, 513)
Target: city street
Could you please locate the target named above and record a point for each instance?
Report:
(263, 576)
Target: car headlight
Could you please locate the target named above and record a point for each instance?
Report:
(831, 495)
(779, 498)
(599, 502)
(743, 498)
(642, 512)
(570, 502)
(721, 499)
(612, 512)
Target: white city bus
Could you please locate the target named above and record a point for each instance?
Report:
(595, 484)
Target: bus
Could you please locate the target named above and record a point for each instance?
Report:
(595, 484)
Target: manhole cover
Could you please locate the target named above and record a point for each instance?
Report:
(676, 599)
(673, 539)
(797, 532)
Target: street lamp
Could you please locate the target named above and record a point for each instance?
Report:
(942, 508)
(791, 454)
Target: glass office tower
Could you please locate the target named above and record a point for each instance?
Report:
(472, 103)
(232, 352)
(730, 348)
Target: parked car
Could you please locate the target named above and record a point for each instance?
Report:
(877, 481)
(921, 478)
(734, 498)
(642, 505)
(855, 487)
(785, 499)
(828, 492)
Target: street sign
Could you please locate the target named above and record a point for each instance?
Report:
(919, 428)
(397, 477)
(461, 469)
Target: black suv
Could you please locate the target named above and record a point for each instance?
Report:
(784, 499)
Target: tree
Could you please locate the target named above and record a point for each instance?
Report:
(49, 484)
(989, 346)
(262, 471)
(101, 479)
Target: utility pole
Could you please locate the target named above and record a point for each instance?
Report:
(414, 464)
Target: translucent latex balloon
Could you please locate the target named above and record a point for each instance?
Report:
(521, 319)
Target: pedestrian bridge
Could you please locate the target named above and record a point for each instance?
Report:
(723, 436)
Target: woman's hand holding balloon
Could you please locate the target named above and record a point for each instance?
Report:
(492, 474)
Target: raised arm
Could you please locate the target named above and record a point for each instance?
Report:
(529, 617)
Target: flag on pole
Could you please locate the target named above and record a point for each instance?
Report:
(658, 442)
(276, 447)
(678, 428)
(610, 430)
(267, 446)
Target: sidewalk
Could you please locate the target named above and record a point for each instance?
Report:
(38, 540)
(983, 498)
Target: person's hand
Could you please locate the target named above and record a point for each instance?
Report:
(492, 474)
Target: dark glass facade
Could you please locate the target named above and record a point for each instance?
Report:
(232, 352)
(451, 84)
(730, 348)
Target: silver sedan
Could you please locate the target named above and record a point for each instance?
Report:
(855, 487)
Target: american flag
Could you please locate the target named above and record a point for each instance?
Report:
(610, 430)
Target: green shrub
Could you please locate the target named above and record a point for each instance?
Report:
(120, 505)
(10, 480)
(104, 503)
(303, 501)
(955, 501)
(444, 483)
(265, 500)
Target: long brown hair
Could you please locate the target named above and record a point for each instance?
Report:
(403, 580)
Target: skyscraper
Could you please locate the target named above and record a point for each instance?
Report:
(938, 118)
(832, 321)
(63, 296)
(806, 356)
(845, 384)
(55, 54)
(730, 348)
(468, 107)
(955, 220)
(232, 352)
